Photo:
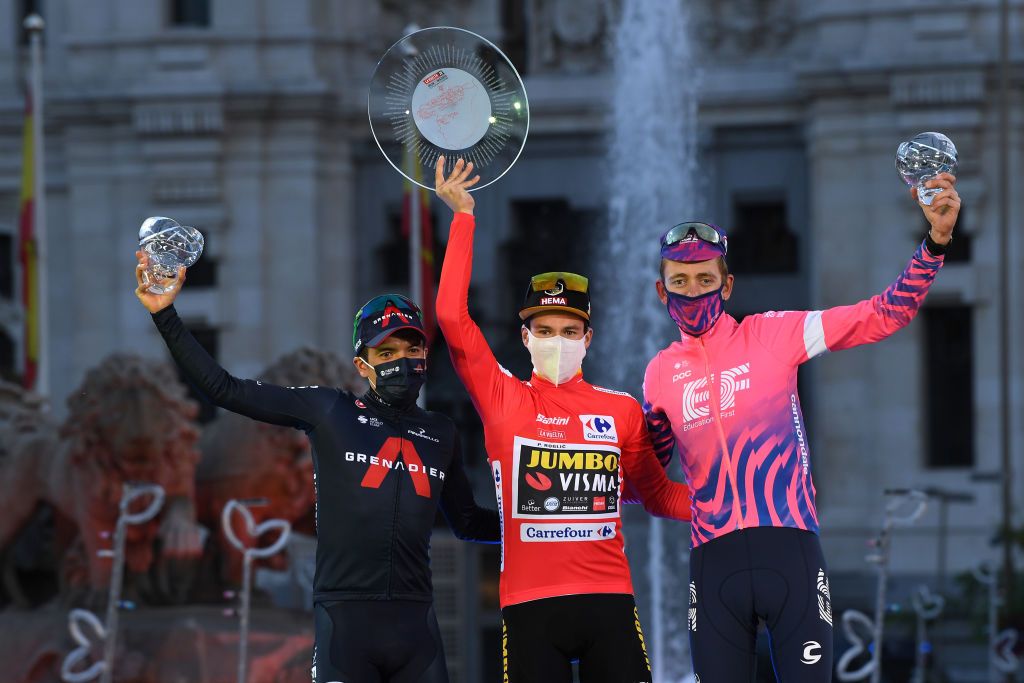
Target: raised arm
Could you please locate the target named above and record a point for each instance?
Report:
(797, 336)
(489, 385)
(468, 521)
(288, 406)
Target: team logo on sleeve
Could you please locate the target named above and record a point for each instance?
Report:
(565, 481)
(599, 428)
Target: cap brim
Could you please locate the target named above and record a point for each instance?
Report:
(379, 338)
(691, 252)
(534, 310)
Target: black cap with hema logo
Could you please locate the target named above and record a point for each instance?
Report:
(552, 292)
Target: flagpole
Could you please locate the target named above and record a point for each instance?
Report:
(34, 25)
(416, 252)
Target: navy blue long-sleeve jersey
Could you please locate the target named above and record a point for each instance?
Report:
(380, 474)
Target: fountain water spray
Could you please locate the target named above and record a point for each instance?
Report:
(651, 176)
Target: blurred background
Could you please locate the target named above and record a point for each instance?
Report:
(247, 119)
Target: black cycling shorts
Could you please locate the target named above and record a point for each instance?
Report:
(377, 641)
(771, 573)
(541, 639)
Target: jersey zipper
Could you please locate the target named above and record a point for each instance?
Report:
(394, 513)
(714, 399)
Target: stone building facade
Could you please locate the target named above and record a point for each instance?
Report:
(247, 118)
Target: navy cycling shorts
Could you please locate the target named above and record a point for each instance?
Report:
(771, 573)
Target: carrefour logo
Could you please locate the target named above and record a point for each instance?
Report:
(566, 532)
(599, 428)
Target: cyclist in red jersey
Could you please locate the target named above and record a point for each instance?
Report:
(559, 448)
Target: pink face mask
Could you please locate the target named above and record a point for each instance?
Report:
(695, 315)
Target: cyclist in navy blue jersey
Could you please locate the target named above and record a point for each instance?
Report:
(382, 468)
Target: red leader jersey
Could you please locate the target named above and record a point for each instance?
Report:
(558, 456)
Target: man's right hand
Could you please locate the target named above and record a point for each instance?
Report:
(454, 191)
(155, 302)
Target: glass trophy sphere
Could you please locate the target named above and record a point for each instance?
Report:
(923, 157)
(447, 91)
(169, 245)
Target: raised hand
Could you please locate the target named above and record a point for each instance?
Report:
(155, 302)
(454, 191)
(944, 209)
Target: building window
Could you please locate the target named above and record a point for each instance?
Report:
(190, 13)
(393, 256)
(761, 241)
(203, 273)
(208, 338)
(9, 371)
(949, 381)
(514, 27)
(6, 266)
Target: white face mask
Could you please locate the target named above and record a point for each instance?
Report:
(556, 359)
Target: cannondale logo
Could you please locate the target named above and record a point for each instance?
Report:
(824, 598)
(696, 395)
(811, 652)
(693, 606)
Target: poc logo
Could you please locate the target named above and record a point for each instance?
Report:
(697, 397)
(811, 652)
(599, 428)
(685, 374)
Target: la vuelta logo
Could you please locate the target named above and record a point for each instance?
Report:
(387, 460)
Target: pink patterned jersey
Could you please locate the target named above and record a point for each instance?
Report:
(728, 401)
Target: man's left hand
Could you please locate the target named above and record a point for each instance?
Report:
(944, 209)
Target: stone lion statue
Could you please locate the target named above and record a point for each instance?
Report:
(129, 421)
(246, 459)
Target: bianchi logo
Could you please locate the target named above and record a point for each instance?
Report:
(372, 421)
(697, 396)
(693, 606)
(812, 650)
(422, 433)
(824, 598)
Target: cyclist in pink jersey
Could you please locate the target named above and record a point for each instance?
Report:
(725, 396)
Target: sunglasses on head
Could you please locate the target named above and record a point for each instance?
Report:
(553, 283)
(379, 304)
(703, 231)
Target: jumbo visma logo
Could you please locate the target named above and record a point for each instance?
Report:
(563, 481)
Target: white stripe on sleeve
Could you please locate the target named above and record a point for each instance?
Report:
(814, 335)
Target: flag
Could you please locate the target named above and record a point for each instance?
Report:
(427, 289)
(28, 254)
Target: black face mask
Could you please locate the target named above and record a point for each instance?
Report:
(399, 381)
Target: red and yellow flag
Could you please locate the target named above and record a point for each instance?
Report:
(28, 254)
(427, 286)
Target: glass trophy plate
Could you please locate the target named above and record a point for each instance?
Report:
(447, 91)
(923, 157)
